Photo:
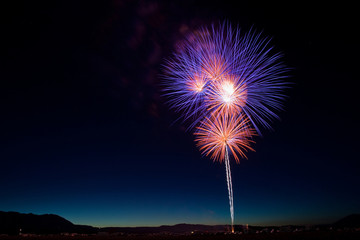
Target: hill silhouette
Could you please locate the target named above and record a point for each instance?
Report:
(14, 223)
(351, 221)
(178, 229)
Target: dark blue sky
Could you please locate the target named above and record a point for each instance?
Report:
(86, 135)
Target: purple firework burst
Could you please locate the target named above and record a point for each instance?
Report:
(215, 65)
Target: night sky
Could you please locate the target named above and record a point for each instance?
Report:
(86, 134)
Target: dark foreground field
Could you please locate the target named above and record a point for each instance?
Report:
(319, 235)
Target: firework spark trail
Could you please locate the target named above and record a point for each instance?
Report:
(230, 189)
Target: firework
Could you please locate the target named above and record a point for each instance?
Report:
(222, 132)
(227, 95)
(218, 68)
(228, 86)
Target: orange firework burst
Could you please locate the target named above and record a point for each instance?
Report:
(228, 95)
(221, 133)
(196, 83)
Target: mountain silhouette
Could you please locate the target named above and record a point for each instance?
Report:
(351, 221)
(14, 223)
(178, 228)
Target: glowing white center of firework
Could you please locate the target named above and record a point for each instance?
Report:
(199, 88)
(197, 85)
(228, 90)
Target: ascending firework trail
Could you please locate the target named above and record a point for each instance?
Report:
(227, 85)
(230, 190)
